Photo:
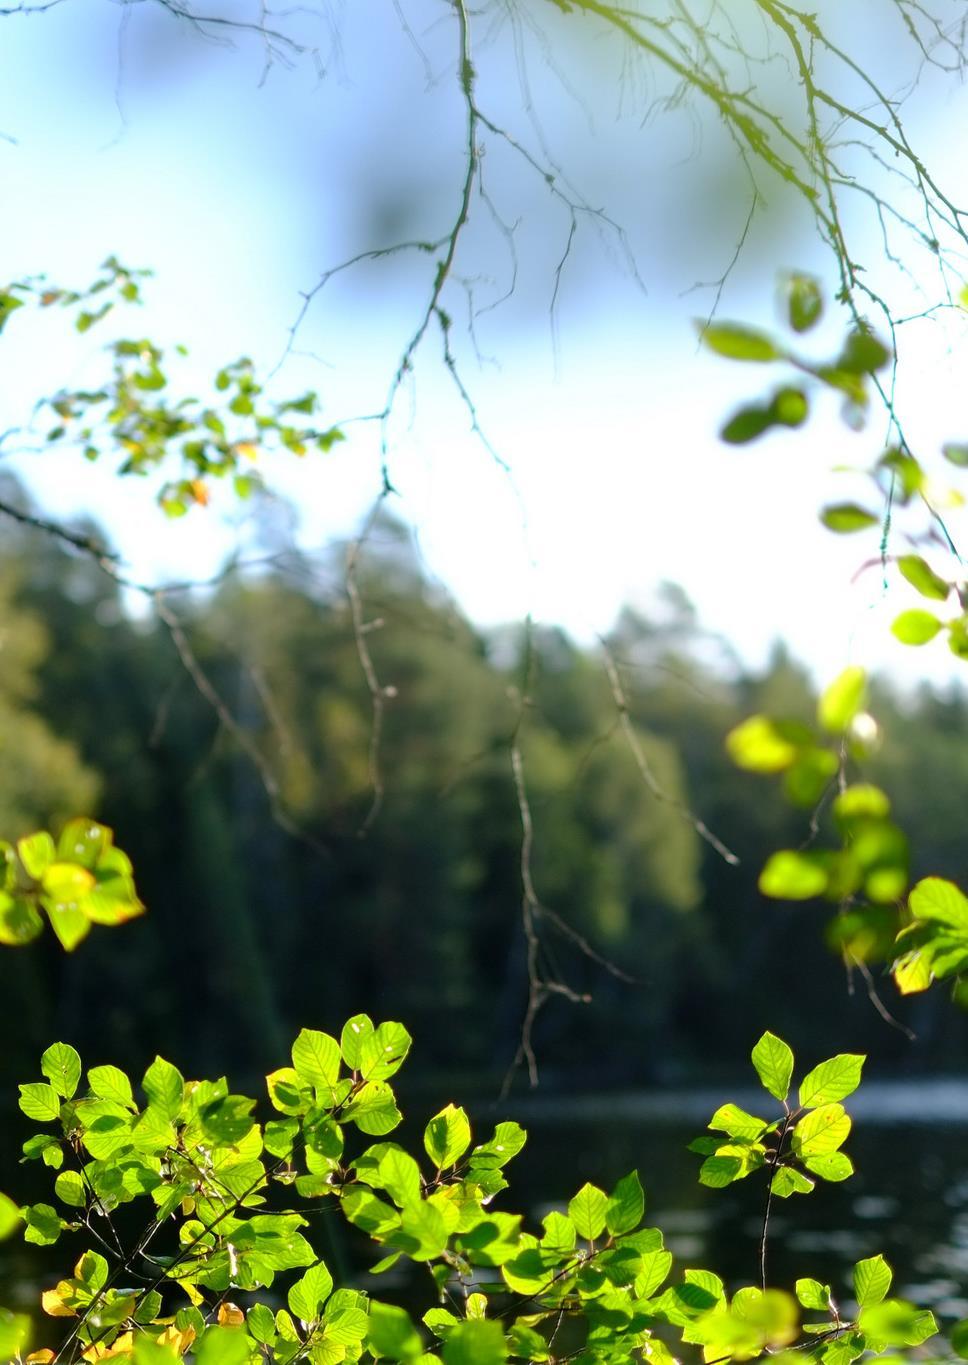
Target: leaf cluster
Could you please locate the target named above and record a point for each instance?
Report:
(804, 1142)
(132, 415)
(76, 881)
(233, 1199)
(869, 871)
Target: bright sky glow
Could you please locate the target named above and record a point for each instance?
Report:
(238, 196)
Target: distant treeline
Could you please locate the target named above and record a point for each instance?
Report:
(260, 854)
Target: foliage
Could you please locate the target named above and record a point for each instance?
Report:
(870, 871)
(130, 416)
(805, 1142)
(233, 1204)
(78, 880)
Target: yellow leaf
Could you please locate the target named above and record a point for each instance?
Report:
(178, 1340)
(122, 1346)
(230, 1316)
(912, 973)
(52, 1301)
(247, 448)
(40, 1357)
(192, 1293)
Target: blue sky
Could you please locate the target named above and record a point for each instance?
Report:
(238, 194)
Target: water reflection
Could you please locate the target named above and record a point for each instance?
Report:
(909, 1198)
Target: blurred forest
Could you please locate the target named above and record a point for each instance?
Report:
(303, 914)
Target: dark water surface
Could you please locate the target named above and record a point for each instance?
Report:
(908, 1199)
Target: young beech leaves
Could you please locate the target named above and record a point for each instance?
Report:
(872, 1280)
(77, 881)
(231, 1199)
(773, 1061)
(832, 1080)
(934, 946)
(800, 1145)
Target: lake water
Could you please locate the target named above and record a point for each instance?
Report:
(908, 1200)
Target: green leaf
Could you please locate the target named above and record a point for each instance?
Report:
(653, 1271)
(222, 1346)
(447, 1137)
(70, 1189)
(747, 424)
(45, 1146)
(364, 1210)
(841, 701)
(165, 1087)
(830, 1166)
(307, 1296)
(760, 745)
(915, 627)
(226, 1120)
(732, 1161)
(814, 1295)
(14, 1327)
(44, 1224)
(19, 921)
(846, 517)
(110, 1083)
(940, 901)
(36, 852)
(476, 1342)
(863, 353)
(729, 1118)
(860, 802)
(804, 301)
(922, 577)
(10, 1216)
(832, 1080)
(374, 1110)
(346, 1326)
(895, 1323)
(83, 841)
(9, 303)
(909, 474)
(383, 1051)
(822, 1131)
(391, 1333)
(62, 1067)
(787, 1180)
(147, 1351)
(587, 1211)
(351, 1039)
(958, 1338)
(737, 342)
(792, 876)
(872, 1280)
(773, 1061)
(789, 407)
(399, 1175)
(316, 1057)
(40, 1102)
(68, 922)
(92, 1271)
(261, 1324)
(422, 1233)
(626, 1205)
